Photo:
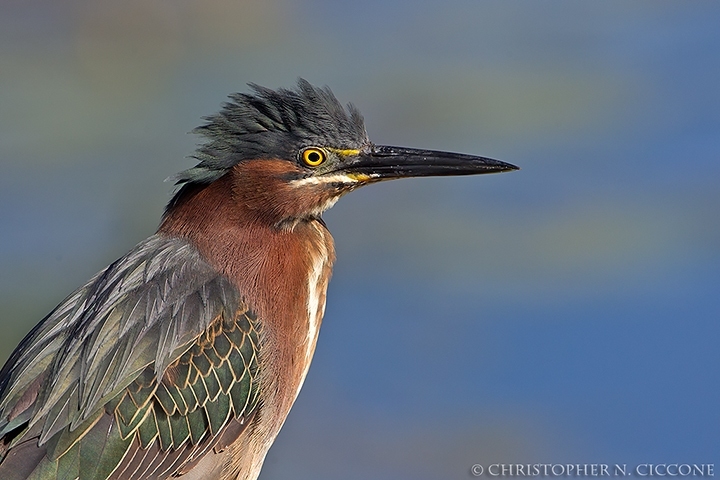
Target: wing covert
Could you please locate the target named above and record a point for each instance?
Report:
(158, 342)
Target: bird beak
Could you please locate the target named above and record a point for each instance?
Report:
(383, 162)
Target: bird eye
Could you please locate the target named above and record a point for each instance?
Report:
(313, 157)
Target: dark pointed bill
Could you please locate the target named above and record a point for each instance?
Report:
(385, 163)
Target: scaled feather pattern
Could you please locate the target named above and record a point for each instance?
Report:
(159, 341)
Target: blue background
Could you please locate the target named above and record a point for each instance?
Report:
(567, 312)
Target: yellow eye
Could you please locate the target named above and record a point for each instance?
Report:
(313, 157)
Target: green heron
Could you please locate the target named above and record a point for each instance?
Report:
(184, 357)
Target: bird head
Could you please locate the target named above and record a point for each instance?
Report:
(291, 154)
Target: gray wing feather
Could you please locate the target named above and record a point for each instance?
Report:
(143, 309)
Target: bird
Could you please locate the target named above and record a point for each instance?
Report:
(183, 358)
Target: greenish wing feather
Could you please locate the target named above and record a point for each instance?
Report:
(154, 429)
(212, 384)
(155, 353)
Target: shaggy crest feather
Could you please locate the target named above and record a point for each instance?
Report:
(272, 124)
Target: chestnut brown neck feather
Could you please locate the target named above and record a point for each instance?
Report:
(234, 224)
(255, 228)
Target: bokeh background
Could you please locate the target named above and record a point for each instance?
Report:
(568, 312)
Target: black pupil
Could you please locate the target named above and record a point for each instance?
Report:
(314, 157)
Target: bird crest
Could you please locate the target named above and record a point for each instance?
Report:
(272, 124)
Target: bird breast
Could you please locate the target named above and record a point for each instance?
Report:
(318, 279)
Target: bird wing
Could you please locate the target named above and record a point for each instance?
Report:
(136, 374)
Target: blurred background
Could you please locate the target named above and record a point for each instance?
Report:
(568, 312)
